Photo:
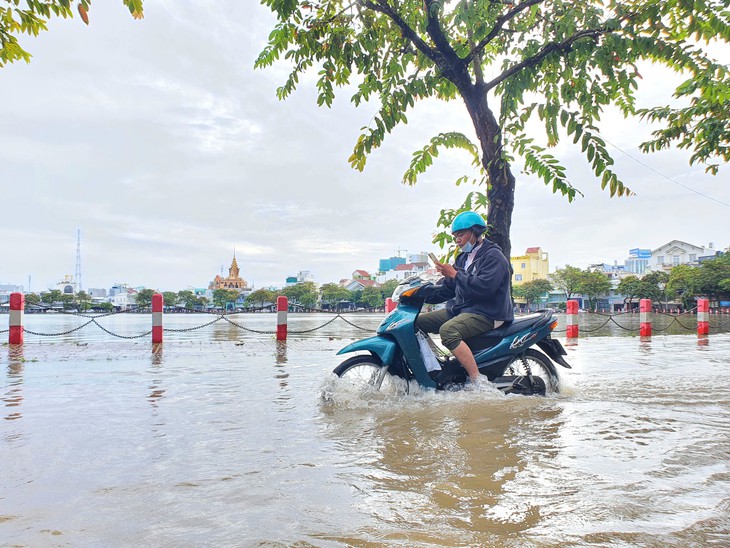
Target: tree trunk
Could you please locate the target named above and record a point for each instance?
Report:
(501, 181)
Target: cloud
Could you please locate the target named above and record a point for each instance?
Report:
(161, 143)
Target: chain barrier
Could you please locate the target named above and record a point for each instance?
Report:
(674, 319)
(720, 326)
(123, 336)
(600, 326)
(248, 328)
(660, 329)
(187, 329)
(352, 324)
(610, 318)
(61, 333)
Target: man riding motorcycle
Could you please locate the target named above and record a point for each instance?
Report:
(476, 288)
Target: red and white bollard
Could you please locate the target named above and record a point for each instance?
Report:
(17, 306)
(389, 305)
(644, 321)
(571, 319)
(282, 307)
(158, 303)
(703, 316)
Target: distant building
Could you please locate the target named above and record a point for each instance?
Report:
(233, 281)
(391, 263)
(361, 275)
(6, 290)
(676, 253)
(638, 261)
(360, 284)
(613, 272)
(533, 265)
(421, 257)
(403, 271)
(67, 286)
(301, 277)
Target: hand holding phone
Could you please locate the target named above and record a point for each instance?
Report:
(433, 258)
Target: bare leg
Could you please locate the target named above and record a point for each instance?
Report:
(466, 359)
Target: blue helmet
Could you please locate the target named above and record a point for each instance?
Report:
(469, 220)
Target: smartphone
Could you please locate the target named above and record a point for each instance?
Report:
(433, 258)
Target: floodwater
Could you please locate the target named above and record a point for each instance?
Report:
(224, 437)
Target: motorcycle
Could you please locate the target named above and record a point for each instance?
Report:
(399, 354)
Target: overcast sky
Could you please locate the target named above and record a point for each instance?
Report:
(158, 140)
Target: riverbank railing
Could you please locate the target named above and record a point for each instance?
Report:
(646, 312)
(16, 329)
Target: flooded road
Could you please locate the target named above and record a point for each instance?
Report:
(223, 437)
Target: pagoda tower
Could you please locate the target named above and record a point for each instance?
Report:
(233, 281)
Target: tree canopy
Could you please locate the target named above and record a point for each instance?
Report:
(532, 291)
(567, 279)
(33, 17)
(710, 279)
(143, 298)
(304, 294)
(516, 65)
(593, 285)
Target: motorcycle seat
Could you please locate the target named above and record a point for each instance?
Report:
(491, 338)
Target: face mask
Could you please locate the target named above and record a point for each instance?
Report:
(467, 247)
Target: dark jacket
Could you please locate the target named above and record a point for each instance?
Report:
(483, 288)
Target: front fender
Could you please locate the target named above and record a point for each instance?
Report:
(554, 350)
(384, 348)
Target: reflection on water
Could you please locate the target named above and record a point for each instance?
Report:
(227, 440)
(13, 394)
(156, 390)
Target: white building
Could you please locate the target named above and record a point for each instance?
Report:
(676, 253)
(359, 285)
(6, 290)
(67, 286)
(402, 271)
(301, 277)
(122, 301)
(421, 257)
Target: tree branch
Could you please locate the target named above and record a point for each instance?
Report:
(382, 6)
(546, 50)
(498, 25)
(434, 30)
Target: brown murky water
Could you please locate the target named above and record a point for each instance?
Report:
(222, 437)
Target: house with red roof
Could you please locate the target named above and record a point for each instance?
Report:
(359, 285)
(361, 275)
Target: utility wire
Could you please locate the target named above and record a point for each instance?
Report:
(662, 175)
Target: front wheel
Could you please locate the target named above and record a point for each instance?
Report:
(368, 373)
(534, 362)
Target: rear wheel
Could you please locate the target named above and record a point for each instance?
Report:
(535, 363)
(368, 373)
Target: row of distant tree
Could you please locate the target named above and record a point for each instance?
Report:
(682, 284)
(306, 295)
(329, 295)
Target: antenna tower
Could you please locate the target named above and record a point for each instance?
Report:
(77, 275)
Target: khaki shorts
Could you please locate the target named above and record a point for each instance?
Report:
(454, 330)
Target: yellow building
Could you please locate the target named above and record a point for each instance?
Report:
(533, 265)
(233, 281)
